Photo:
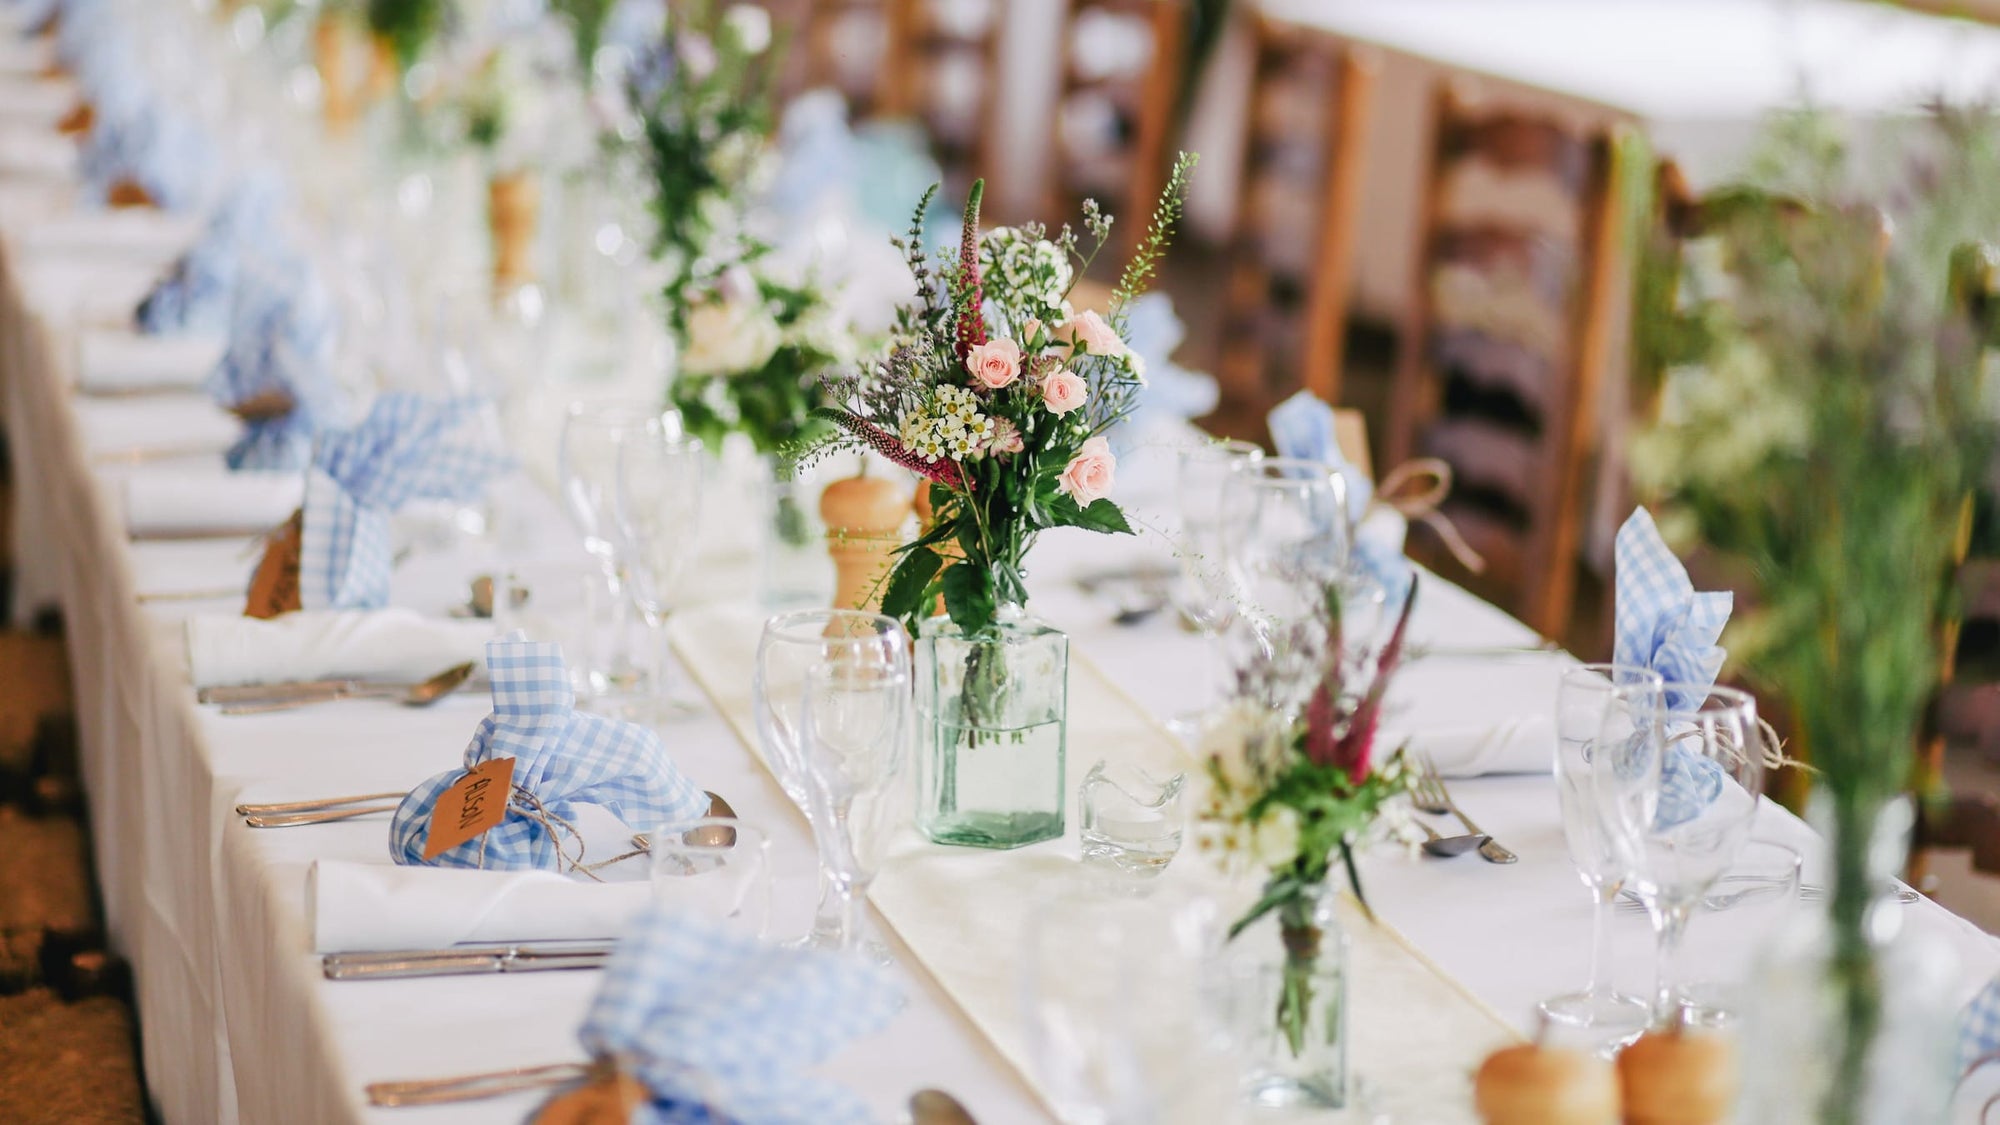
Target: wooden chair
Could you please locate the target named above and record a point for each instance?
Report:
(1305, 145)
(845, 45)
(940, 68)
(1504, 348)
(1120, 82)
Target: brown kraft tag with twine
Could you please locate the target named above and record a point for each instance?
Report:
(470, 806)
(274, 588)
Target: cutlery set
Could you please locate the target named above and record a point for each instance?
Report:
(468, 960)
(256, 699)
(1430, 796)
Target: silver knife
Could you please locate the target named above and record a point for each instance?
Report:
(469, 960)
(237, 694)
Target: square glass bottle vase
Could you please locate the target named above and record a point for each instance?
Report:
(993, 713)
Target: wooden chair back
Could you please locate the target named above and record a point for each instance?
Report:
(1121, 70)
(1505, 346)
(941, 68)
(844, 45)
(1305, 147)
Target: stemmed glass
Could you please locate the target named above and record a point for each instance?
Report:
(1581, 698)
(791, 646)
(1202, 591)
(661, 478)
(1679, 769)
(587, 466)
(1286, 540)
(854, 720)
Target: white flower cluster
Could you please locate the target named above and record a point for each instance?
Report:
(1026, 276)
(949, 425)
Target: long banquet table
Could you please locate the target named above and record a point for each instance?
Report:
(238, 1022)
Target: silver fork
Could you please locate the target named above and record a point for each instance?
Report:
(1431, 796)
(474, 1087)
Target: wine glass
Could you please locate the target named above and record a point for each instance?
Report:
(1604, 1014)
(1286, 539)
(1679, 769)
(587, 468)
(719, 867)
(791, 645)
(1201, 592)
(1124, 1011)
(854, 720)
(661, 478)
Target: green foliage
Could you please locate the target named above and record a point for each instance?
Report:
(586, 23)
(408, 26)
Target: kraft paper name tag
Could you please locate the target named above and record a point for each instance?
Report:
(274, 588)
(473, 804)
(265, 406)
(603, 1100)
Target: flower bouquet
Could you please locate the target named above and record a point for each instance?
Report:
(1285, 797)
(997, 392)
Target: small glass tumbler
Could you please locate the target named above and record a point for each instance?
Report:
(1132, 822)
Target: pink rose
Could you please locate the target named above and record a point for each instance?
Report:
(1090, 474)
(1090, 332)
(1063, 390)
(995, 364)
(1032, 328)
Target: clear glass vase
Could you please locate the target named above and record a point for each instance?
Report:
(1283, 984)
(1864, 1035)
(993, 711)
(793, 571)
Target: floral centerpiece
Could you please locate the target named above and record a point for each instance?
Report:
(1289, 798)
(1825, 418)
(998, 392)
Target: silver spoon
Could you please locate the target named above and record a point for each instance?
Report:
(1444, 847)
(935, 1107)
(421, 694)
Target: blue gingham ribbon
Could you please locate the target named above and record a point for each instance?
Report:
(1979, 1027)
(404, 450)
(197, 295)
(1303, 427)
(281, 339)
(721, 1027)
(563, 759)
(1663, 624)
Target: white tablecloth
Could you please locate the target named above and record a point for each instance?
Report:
(237, 1022)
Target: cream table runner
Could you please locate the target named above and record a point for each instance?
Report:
(1416, 1039)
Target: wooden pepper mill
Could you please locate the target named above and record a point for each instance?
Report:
(1679, 1076)
(864, 521)
(513, 201)
(1534, 1084)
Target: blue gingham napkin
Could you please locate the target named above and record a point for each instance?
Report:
(404, 450)
(197, 295)
(1303, 427)
(721, 1027)
(1979, 1027)
(563, 759)
(1663, 624)
(281, 339)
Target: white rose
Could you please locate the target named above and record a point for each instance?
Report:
(1274, 839)
(751, 25)
(729, 338)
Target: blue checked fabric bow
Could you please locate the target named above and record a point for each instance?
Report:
(1303, 427)
(1979, 1027)
(404, 450)
(281, 340)
(1664, 625)
(197, 296)
(721, 1027)
(563, 759)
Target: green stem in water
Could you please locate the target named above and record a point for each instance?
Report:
(1856, 975)
(1302, 939)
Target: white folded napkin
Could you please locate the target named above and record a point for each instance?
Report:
(37, 100)
(112, 361)
(30, 150)
(169, 502)
(1475, 716)
(134, 234)
(155, 425)
(25, 56)
(380, 644)
(366, 907)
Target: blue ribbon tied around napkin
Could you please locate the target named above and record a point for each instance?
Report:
(409, 447)
(1663, 624)
(197, 295)
(1979, 1027)
(720, 1027)
(563, 759)
(281, 341)
(1302, 427)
